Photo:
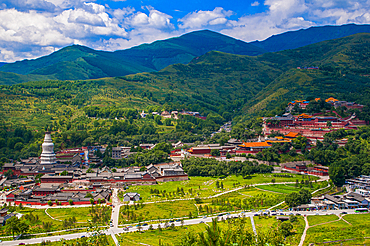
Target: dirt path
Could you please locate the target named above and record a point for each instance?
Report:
(304, 232)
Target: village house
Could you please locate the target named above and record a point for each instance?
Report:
(128, 197)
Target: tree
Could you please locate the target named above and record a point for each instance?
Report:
(50, 203)
(215, 152)
(328, 124)
(336, 173)
(70, 202)
(15, 226)
(89, 195)
(92, 201)
(228, 155)
(190, 215)
(64, 173)
(273, 181)
(286, 228)
(9, 173)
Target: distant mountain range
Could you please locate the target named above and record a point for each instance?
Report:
(78, 62)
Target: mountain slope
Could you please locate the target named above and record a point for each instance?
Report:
(226, 84)
(343, 63)
(303, 37)
(79, 62)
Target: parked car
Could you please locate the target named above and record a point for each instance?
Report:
(145, 224)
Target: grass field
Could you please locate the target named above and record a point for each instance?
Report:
(339, 232)
(160, 210)
(203, 186)
(289, 188)
(264, 224)
(79, 241)
(82, 214)
(37, 225)
(319, 219)
(155, 237)
(244, 199)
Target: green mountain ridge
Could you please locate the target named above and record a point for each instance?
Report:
(312, 35)
(78, 62)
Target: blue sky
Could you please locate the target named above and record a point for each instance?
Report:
(33, 28)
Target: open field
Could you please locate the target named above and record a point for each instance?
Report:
(80, 241)
(319, 219)
(203, 186)
(155, 211)
(339, 232)
(289, 188)
(36, 225)
(155, 237)
(265, 223)
(81, 215)
(244, 199)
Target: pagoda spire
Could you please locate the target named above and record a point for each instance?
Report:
(48, 155)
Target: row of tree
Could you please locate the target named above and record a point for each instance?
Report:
(212, 167)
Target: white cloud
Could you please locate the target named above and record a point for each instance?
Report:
(155, 19)
(286, 15)
(255, 4)
(201, 18)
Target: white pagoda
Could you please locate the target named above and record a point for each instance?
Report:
(48, 155)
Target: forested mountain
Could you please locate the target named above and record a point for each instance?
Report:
(343, 69)
(79, 62)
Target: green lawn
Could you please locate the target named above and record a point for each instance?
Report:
(36, 226)
(264, 224)
(339, 230)
(319, 219)
(160, 210)
(289, 188)
(80, 241)
(244, 199)
(155, 237)
(82, 214)
(203, 186)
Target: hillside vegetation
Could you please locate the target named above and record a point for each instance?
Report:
(219, 85)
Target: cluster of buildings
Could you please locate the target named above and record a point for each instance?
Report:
(358, 197)
(301, 167)
(351, 200)
(46, 178)
(311, 126)
(174, 114)
(302, 104)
